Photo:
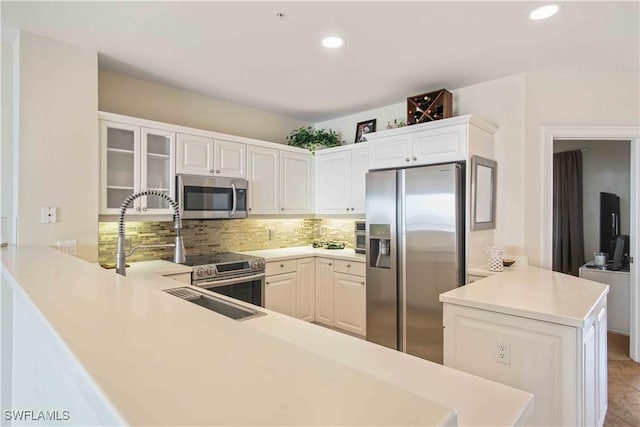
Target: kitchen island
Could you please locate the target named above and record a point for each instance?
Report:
(537, 330)
(117, 350)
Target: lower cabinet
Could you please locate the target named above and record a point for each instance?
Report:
(289, 288)
(563, 366)
(349, 303)
(280, 293)
(340, 295)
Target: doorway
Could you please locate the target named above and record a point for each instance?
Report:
(611, 135)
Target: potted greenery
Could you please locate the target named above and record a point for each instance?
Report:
(313, 139)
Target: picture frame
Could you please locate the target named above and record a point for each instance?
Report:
(483, 193)
(363, 128)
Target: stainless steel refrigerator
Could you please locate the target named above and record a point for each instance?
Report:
(415, 251)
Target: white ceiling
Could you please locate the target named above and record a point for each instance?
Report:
(240, 52)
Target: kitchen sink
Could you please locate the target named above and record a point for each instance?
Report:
(226, 308)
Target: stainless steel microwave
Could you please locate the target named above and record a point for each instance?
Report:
(205, 197)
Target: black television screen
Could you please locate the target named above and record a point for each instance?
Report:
(609, 222)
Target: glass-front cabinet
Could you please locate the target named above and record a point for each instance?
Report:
(136, 158)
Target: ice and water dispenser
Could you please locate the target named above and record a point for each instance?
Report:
(380, 245)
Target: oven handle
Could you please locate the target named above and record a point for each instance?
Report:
(233, 281)
(235, 201)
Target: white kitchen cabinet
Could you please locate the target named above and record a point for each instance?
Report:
(263, 169)
(296, 183)
(305, 295)
(341, 294)
(135, 158)
(563, 366)
(194, 155)
(324, 291)
(390, 151)
(618, 306)
(340, 180)
(229, 159)
(349, 303)
(359, 169)
(440, 141)
(280, 293)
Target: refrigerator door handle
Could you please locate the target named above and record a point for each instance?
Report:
(402, 264)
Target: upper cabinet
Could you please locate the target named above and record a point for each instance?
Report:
(229, 159)
(199, 155)
(263, 174)
(296, 182)
(135, 158)
(195, 155)
(435, 142)
(340, 179)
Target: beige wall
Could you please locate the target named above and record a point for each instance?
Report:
(58, 142)
(568, 99)
(140, 98)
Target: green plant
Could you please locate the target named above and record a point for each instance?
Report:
(313, 139)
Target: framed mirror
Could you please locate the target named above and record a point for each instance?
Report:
(483, 193)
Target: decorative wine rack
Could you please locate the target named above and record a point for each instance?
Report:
(429, 106)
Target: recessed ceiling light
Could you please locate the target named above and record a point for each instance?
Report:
(332, 42)
(544, 12)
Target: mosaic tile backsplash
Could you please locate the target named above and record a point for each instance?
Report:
(201, 237)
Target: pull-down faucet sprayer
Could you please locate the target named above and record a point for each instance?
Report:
(179, 254)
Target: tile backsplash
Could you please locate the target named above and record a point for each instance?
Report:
(202, 236)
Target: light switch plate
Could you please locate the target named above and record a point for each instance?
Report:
(49, 214)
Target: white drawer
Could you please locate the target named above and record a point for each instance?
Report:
(349, 267)
(280, 267)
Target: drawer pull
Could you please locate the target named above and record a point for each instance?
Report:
(406, 159)
(281, 265)
(330, 264)
(414, 159)
(362, 283)
(348, 265)
(267, 283)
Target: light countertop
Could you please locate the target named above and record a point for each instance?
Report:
(306, 251)
(163, 361)
(291, 372)
(534, 293)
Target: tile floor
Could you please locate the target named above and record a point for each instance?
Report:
(624, 384)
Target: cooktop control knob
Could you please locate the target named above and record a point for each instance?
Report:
(210, 271)
(200, 272)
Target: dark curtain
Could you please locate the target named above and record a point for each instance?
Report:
(568, 240)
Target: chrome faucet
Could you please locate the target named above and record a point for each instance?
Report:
(179, 254)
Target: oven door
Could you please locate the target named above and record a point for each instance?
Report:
(248, 288)
(202, 197)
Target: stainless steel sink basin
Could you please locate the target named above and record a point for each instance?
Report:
(226, 308)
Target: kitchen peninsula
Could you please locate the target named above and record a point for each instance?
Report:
(132, 354)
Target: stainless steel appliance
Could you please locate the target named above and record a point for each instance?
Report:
(205, 197)
(360, 237)
(235, 275)
(415, 252)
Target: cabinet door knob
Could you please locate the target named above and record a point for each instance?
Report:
(249, 208)
(281, 265)
(347, 209)
(353, 209)
(414, 159)
(406, 159)
(348, 265)
(281, 209)
(217, 170)
(138, 209)
(144, 209)
(362, 283)
(330, 264)
(211, 171)
(266, 283)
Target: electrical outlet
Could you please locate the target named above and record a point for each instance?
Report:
(48, 215)
(503, 353)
